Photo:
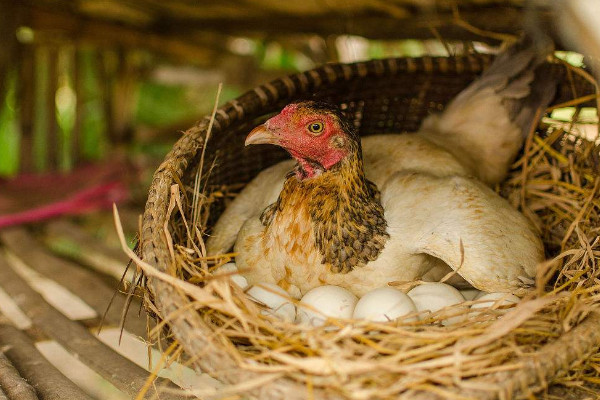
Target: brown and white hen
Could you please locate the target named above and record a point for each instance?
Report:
(394, 207)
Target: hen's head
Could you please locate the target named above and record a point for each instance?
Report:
(316, 134)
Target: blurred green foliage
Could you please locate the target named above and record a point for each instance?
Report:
(9, 130)
(93, 123)
(160, 105)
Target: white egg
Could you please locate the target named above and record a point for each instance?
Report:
(383, 304)
(230, 270)
(325, 301)
(276, 299)
(490, 299)
(470, 294)
(434, 296)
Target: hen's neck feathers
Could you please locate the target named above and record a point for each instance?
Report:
(347, 218)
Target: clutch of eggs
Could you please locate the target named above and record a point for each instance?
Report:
(379, 305)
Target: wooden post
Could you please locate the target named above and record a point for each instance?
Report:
(65, 108)
(105, 83)
(26, 94)
(78, 87)
(122, 104)
(9, 21)
(52, 129)
(44, 124)
(8, 40)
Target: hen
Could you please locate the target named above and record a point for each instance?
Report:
(394, 207)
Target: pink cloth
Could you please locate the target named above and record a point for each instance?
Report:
(33, 198)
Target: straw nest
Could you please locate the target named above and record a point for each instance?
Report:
(551, 336)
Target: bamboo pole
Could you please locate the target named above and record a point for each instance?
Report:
(50, 104)
(40, 115)
(8, 41)
(78, 87)
(26, 100)
(105, 81)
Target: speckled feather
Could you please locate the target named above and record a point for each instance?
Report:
(343, 207)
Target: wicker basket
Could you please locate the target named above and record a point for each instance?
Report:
(390, 95)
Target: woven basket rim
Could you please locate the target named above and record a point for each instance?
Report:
(189, 329)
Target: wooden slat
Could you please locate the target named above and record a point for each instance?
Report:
(113, 367)
(88, 286)
(11, 382)
(48, 382)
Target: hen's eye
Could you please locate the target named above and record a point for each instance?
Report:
(315, 127)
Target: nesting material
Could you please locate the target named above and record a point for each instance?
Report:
(555, 184)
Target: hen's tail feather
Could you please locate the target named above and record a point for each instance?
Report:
(485, 124)
(542, 91)
(530, 83)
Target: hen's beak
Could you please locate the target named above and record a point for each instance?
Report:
(261, 135)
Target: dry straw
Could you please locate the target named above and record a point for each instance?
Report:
(551, 336)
